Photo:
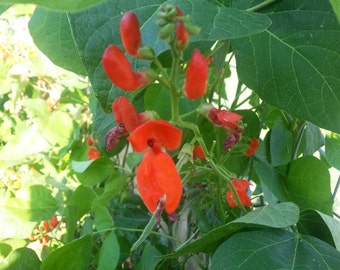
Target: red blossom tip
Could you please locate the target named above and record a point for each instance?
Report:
(130, 33)
(182, 36)
(157, 176)
(119, 70)
(93, 154)
(159, 131)
(196, 76)
(126, 114)
(254, 144)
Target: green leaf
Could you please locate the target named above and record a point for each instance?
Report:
(5, 249)
(332, 146)
(336, 7)
(4, 7)
(58, 5)
(95, 29)
(59, 130)
(281, 144)
(150, 258)
(324, 227)
(34, 203)
(314, 139)
(74, 256)
(109, 253)
(308, 184)
(92, 172)
(102, 218)
(275, 216)
(111, 190)
(11, 226)
(274, 249)
(79, 204)
(21, 259)
(294, 65)
(271, 179)
(52, 34)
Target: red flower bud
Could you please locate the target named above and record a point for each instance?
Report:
(198, 152)
(130, 33)
(46, 226)
(182, 36)
(196, 76)
(54, 221)
(119, 70)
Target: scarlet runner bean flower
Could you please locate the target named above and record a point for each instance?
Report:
(182, 35)
(198, 152)
(119, 70)
(227, 120)
(254, 143)
(157, 177)
(241, 187)
(130, 33)
(92, 154)
(196, 76)
(127, 119)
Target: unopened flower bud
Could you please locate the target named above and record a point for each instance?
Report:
(130, 33)
(166, 31)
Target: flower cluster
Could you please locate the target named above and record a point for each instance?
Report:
(41, 232)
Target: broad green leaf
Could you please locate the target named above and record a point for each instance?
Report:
(274, 249)
(92, 172)
(150, 258)
(336, 7)
(59, 130)
(111, 190)
(271, 178)
(294, 64)
(102, 218)
(96, 28)
(57, 4)
(332, 146)
(3, 8)
(74, 256)
(5, 249)
(308, 184)
(34, 203)
(79, 204)
(281, 144)
(109, 252)
(274, 216)
(324, 227)
(11, 226)
(314, 139)
(52, 34)
(21, 259)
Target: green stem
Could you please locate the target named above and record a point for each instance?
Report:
(300, 133)
(261, 5)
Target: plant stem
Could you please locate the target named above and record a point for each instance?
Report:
(261, 5)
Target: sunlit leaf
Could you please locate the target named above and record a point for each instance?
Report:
(109, 252)
(274, 249)
(21, 258)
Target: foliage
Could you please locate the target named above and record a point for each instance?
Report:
(76, 203)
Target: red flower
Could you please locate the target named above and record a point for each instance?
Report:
(157, 176)
(224, 118)
(119, 70)
(196, 76)
(93, 154)
(130, 33)
(198, 152)
(90, 141)
(155, 134)
(241, 187)
(254, 143)
(182, 35)
(54, 221)
(126, 114)
(46, 226)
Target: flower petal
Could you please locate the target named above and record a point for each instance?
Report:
(126, 114)
(130, 33)
(156, 176)
(161, 131)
